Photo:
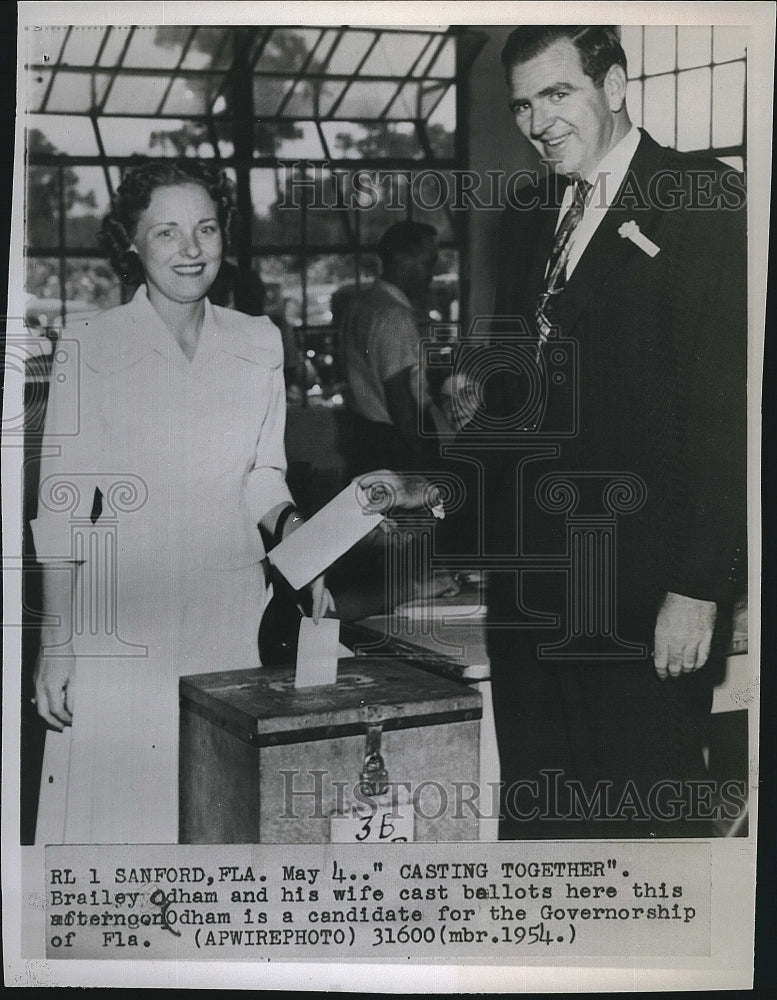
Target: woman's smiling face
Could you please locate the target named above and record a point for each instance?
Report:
(179, 243)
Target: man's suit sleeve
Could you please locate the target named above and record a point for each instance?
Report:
(709, 292)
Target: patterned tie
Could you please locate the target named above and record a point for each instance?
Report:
(556, 273)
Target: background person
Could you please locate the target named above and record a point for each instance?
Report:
(381, 343)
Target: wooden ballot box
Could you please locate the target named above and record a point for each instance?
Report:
(388, 753)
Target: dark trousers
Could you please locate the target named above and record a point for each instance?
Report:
(600, 749)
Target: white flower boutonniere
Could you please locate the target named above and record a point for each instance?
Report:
(630, 231)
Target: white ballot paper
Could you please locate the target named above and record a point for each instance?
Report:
(329, 534)
(317, 652)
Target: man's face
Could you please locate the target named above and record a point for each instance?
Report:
(568, 119)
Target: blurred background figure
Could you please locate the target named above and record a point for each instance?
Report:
(381, 341)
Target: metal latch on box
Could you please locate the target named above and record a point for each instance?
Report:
(374, 776)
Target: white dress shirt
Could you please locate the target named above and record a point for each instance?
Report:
(605, 180)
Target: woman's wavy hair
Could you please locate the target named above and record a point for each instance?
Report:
(133, 197)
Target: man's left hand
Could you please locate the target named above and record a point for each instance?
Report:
(683, 635)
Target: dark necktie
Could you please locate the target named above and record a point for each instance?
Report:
(555, 274)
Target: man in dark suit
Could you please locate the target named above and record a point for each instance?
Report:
(609, 456)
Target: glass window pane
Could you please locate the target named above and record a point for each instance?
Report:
(156, 47)
(728, 42)
(44, 44)
(271, 224)
(350, 51)
(287, 49)
(323, 49)
(394, 55)
(366, 100)
(82, 46)
(441, 139)
(192, 95)
(693, 109)
(659, 108)
(631, 42)
(77, 91)
(634, 101)
(304, 144)
(37, 86)
(728, 95)
(210, 49)
(694, 46)
(445, 63)
(117, 39)
(270, 139)
(72, 134)
(444, 115)
(430, 53)
(282, 279)
(407, 102)
(313, 97)
(42, 284)
(183, 138)
(659, 50)
(374, 140)
(150, 136)
(136, 94)
(432, 95)
(269, 91)
(399, 140)
(343, 138)
(90, 286)
(86, 202)
(42, 206)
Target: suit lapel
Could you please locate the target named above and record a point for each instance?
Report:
(541, 252)
(608, 253)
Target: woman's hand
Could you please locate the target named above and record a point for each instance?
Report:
(322, 599)
(55, 688)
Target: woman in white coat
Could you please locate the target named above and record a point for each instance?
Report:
(163, 469)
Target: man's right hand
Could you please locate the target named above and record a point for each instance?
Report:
(55, 689)
(389, 491)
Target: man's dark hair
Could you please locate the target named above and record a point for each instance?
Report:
(404, 237)
(598, 44)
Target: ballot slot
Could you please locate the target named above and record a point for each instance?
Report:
(262, 761)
